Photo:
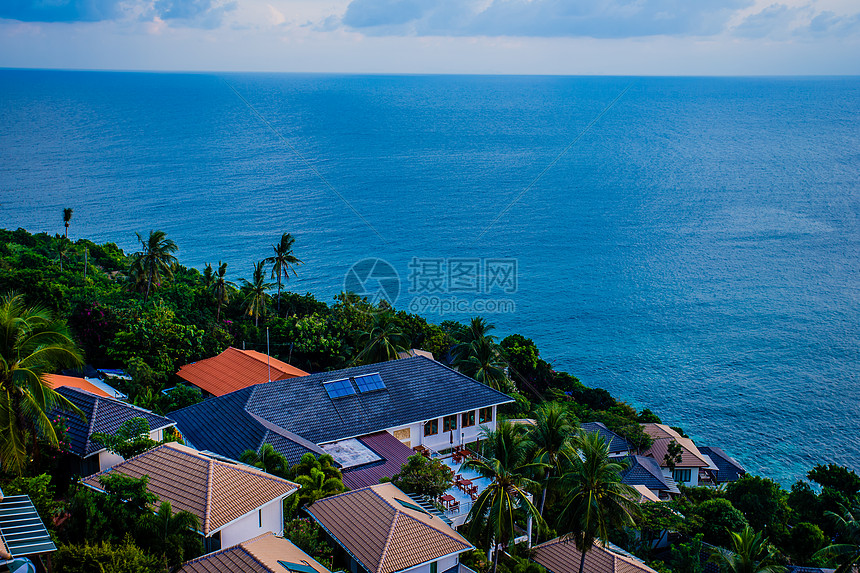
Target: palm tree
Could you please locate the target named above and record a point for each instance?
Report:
(750, 553)
(221, 287)
(32, 344)
(549, 442)
(63, 244)
(383, 341)
(494, 512)
(256, 297)
(154, 261)
(596, 501)
(483, 361)
(67, 216)
(848, 550)
(208, 276)
(171, 535)
(267, 459)
(478, 329)
(283, 261)
(318, 478)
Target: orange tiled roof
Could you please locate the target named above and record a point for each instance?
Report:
(216, 492)
(58, 381)
(235, 369)
(559, 556)
(662, 435)
(382, 533)
(258, 555)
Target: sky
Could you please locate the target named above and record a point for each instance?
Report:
(567, 37)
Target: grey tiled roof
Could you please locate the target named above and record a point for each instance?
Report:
(615, 442)
(416, 389)
(645, 471)
(728, 468)
(103, 415)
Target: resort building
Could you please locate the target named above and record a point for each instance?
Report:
(562, 556)
(645, 473)
(417, 401)
(382, 530)
(266, 553)
(233, 502)
(235, 369)
(693, 467)
(618, 446)
(104, 415)
(728, 468)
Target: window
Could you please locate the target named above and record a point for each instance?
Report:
(468, 419)
(369, 382)
(682, 475)
(449, 423)
(434, 567)
(431, 428)
(339, 388)
(485, 415)
(260, 517)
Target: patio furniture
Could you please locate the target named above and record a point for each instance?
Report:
(454, 505)
(448, 500)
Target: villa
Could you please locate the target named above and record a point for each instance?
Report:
(618, 446)
(266, 553)
(416, 401)
(693, 467)
(233, 502)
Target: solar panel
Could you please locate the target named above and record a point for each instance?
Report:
(297, 567)
(21, 527)
(339, 388)
(369, 382)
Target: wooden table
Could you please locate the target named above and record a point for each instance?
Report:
(446, 500)
(463, 484)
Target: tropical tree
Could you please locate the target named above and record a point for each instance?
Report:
(477, 329)
(549, 442)
(221, 287)
(382, 341)
(130, 439)
(256, 298)
(847, 549)
(596, 502)
(477, 354)
(750, 553)
(32, 344)
(67, 216)
(171, 535)
(208, 276)
(267, 459)
(494, 512)
(318, 478)
(423, 476)
(155, 261)
(62, 245)
(283, 261)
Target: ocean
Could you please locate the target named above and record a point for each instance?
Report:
(690, 244)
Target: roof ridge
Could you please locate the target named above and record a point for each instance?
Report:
(446, 534)
(92, 424)
(253, 556)
(388, 539)
(207, 511)
(458, 373)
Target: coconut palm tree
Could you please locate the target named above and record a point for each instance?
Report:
(171, 535)
(208, 276)
(847, 551)
(383, 341)
(67, 216)
(483, 361)
(62, 245)
(596, 501)
(267, 459)
(221, 287)
(494, 512)
(478, 329)
(32, 344)
(750, 553)
(155, 261)
(256, 297)
(549, 442)
(283, 261)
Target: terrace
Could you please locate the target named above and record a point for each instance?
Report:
(467, 486)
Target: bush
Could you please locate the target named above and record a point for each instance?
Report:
(719, 517)
(105, 558)
(306, 535)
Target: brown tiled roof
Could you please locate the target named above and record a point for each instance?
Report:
(258, 555)
(559, 556)
(645, 494)
(662, 435)
(383, 534)
(216, 492)
(58, 381)
(235, 369)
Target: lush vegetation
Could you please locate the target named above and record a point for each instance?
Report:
(146, 313)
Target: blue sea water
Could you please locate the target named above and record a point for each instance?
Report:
(694, 250)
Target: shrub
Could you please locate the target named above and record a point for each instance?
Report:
(105, 558)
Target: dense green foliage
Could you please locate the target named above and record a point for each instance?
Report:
(424, 476)
(106, 557)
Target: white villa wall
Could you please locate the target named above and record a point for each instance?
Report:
(108, 459)
(462, 435)
(249, 526)
(694, 476)
(443, 564)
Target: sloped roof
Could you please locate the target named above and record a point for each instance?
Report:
(559, 556)
(58, 381)
(662, 435)
(416, 389)
(215, 491)
(728, 468)
(645, 494)
(394, 453)
(615, 442)
(22, 531)
(382, 533)
(103, 415)
(645, 471)
(235, 369)
(261, 554)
